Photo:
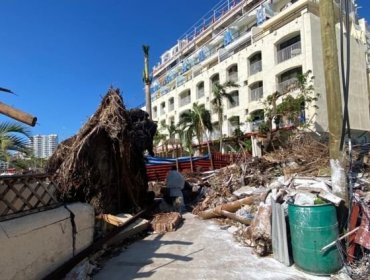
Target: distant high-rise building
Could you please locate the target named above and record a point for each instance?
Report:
(43, 146)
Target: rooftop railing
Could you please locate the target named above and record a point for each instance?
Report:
(221, 10)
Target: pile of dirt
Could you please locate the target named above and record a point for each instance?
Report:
(103, 164)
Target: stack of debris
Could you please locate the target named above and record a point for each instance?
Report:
(245, 195)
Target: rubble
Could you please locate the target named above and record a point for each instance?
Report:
(297, 173)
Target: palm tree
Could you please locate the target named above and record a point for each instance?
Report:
(220, 93)
(196, 122)
(158, 138)
(13, 138)
(171, 132)
(147, 81)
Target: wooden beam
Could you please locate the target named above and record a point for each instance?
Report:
(17, 114)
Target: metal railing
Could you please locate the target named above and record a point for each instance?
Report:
(200, 93)
(289, 52)
(184, 101)
(171, 106)
(288, 85)
(256, 94)
(256, 67)
(233, 76)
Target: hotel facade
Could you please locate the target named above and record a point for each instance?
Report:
(262, 45)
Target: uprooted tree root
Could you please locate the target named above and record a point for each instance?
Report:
(103, 164)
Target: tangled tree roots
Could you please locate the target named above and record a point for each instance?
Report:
(103, 164)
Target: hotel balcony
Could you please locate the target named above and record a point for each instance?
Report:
(255, 67)
(289, 52)
(288, 85)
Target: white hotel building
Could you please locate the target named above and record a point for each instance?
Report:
(43, 146)
(262, 45)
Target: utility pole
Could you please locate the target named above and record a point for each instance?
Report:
(331, 68)
(333, 96)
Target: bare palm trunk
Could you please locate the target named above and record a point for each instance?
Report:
(148, 101)
(220, 128)
(147, 81)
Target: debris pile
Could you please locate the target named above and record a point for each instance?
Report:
(243, 195)
(104, 164)
(305, 154)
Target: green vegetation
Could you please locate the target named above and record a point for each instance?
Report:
(195, 122)
(290, 108)
(219, 93)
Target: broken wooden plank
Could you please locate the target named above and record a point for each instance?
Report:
(138, 226)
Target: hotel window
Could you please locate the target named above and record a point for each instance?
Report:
(184, 98)
(200, 90)
(232, 73)
(235, 97)
(215, 79)
(162, 108)
(255, 63)
(256, 91)
(289, 48)
(171, 104)
(288, 81)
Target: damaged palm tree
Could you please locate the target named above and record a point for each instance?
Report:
(104, 164)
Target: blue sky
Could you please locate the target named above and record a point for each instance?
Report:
(60, 57)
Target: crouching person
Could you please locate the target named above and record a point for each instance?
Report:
(173, 197)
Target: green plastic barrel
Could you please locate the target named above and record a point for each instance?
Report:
(312, 228)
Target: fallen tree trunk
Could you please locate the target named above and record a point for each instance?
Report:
(230, 207)
(235, 217)
(258, 234)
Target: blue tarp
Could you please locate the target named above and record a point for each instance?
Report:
(161, 160)
(228, 37)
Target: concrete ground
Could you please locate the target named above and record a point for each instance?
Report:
(197, 250)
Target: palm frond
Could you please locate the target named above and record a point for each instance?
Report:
(6, 90)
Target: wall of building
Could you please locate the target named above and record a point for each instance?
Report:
(34, 245)
(281, 27)
(269, 74)
(358, 90)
